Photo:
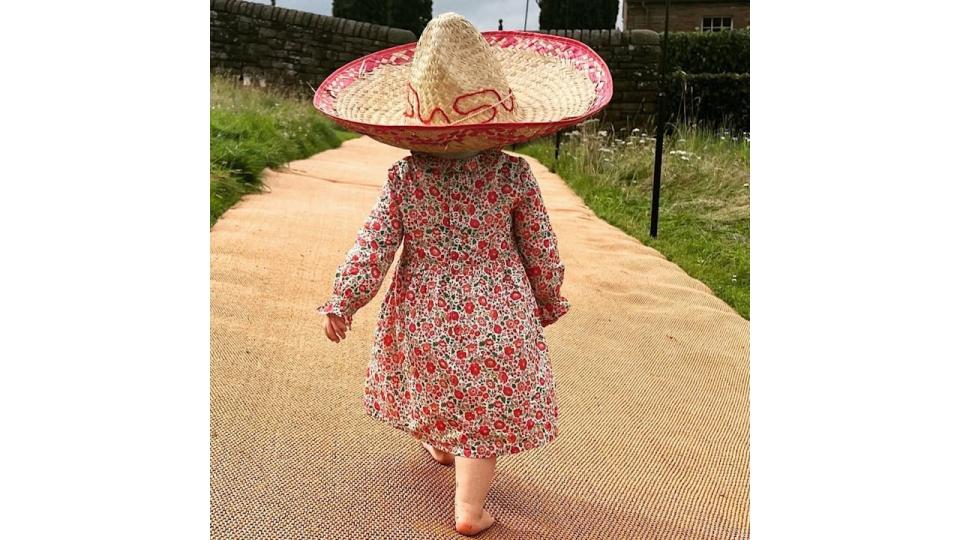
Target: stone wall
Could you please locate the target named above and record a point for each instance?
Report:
(282, 47)
(277, 46)
(633, 57)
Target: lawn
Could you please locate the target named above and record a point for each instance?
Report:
(704, 202)
(252, 129)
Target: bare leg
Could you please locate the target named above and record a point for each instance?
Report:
(441, 457)
(474, 477)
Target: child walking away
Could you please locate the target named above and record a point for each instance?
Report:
(459, 359)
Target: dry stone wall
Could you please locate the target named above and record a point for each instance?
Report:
(275, 46)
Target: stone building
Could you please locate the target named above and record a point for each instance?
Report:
(686, 15)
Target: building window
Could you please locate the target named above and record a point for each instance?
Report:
(716, 24)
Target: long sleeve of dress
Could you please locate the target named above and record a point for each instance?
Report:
(366, 264)
(537, 244)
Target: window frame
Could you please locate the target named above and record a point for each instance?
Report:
(721, 28)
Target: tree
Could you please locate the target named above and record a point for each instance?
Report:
(578, 14)
(412, 15)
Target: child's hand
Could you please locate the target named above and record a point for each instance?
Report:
(336, 328)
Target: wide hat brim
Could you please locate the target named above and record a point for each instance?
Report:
(558, 53)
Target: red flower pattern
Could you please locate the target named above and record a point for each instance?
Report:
(459, 359)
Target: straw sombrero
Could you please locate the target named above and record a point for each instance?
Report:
(459, 90)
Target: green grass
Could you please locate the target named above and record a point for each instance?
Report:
(252, 129)
(704, 201)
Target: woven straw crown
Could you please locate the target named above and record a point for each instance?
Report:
(454, 68)
(458, 90)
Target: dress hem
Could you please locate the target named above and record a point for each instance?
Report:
(455, 450)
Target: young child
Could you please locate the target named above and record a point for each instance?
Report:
(459, 359)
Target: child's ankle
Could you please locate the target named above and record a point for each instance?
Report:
(467, 510)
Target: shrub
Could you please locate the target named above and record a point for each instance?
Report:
(578, 14)
(412, 15)
(709, 52)
(710, 100)
(708, 81)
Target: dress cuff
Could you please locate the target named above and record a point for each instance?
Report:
(550, 313)
(337, 305)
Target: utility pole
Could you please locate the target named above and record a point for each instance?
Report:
(525, 11)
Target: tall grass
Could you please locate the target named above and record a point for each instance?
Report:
(705, 196)
(252, 129)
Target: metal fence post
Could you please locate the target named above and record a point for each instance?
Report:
(661, 105)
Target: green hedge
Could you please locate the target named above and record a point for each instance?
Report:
(711, 100)
(709, 81)
(709, 52)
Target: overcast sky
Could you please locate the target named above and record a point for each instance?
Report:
(482, 13)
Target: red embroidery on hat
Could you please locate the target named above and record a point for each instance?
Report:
(413, 105)
(416, 109)
(493, 107)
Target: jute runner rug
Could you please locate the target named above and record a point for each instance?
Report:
(651, 372)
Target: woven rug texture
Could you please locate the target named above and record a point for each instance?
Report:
(651, 378)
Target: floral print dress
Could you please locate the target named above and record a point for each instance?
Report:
(459, 359)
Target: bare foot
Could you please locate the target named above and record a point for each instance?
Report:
(472, 521)
(441, 457)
